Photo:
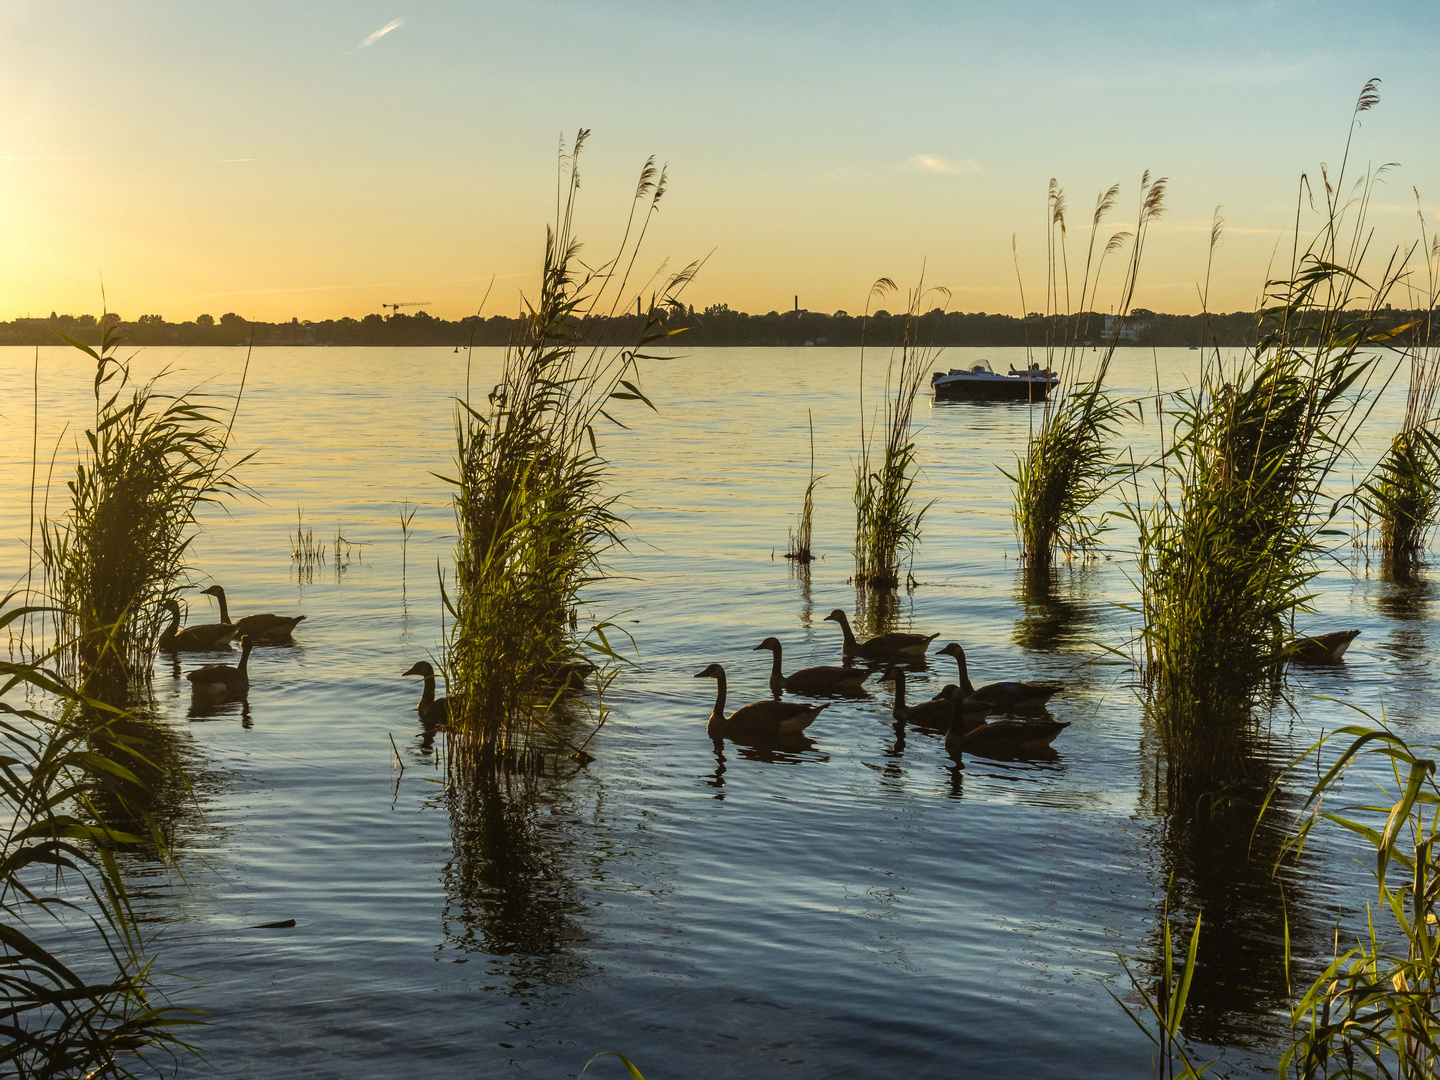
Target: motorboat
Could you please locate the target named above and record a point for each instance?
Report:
(979, 382)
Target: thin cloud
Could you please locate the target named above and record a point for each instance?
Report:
(937, 164)
(393, 24)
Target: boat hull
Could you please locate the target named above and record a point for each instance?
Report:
(1002, 388)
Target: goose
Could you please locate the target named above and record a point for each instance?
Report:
(811, 680)
(260, 627)
(764, 721)
(568, 674)
(432, 710)
(1001, 694)
(1322, 648)
(203, 637)
(939, 713)
(886, 646)
(222, 678)
(1003, 738)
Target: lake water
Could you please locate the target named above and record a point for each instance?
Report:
(862, 908)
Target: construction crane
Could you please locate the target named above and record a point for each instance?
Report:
(395, 308)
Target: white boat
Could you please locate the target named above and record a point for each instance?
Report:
(979, 382)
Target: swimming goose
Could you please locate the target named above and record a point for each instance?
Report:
(260, 627)
(217, 679)
(1322, 648)
(884, 647)
(1003, 738)
(764, 721)
(203, 637)
(1001, 694)
(811, 680)
(939, 713)
(432, 710)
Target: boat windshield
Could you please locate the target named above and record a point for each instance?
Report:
(982, 368)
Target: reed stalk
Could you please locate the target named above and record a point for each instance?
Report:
(534, 510)
(1068, 463)
(1229, 540)
(887, 519)
(151, 460)
(800, 536)
(77, 993)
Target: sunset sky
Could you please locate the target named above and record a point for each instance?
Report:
(320, 159)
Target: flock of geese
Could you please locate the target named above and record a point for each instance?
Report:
(224, 680)
(960, 709)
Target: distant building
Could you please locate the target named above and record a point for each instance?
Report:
(1122, 330)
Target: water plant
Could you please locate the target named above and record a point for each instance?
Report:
(1374, 1009)
(151, 460)
(1229, 538)
(804, 526)
(1068, 464)
(533, 507)
(1402, 493)
(887, 518)
(77, 993)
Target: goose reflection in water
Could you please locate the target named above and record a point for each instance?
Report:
(204, 710)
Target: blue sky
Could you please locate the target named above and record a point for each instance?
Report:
(253, 157)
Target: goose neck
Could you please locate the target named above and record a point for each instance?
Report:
(775, 672)
(719, 711)
(245, 656)
(899, 709)
(224, 607)
(844, 621)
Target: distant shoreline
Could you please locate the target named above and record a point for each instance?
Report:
(714, 327)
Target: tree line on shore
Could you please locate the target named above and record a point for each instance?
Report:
(716, 325)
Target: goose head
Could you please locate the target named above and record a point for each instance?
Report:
(773, 644)
(952, 650)
(837, 615)
(214, 590)
(890, 674)
(422, 668)
(714, 671)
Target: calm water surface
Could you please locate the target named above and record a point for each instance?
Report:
(862, 908)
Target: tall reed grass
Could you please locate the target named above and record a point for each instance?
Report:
(534, 509)
(77, 993)
(150, 461)
(1403, 491)
(1068, 462)
(1229, 538)
(887, 518)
